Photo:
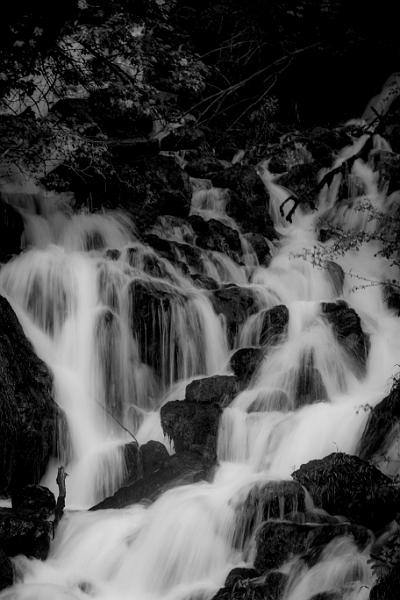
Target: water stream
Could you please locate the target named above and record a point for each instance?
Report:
(76, 302)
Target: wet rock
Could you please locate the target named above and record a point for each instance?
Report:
(240, 574)
(182, 469)
(29, 417)
(244, 363)
(154, 456)
(151, 307)
(346, 485)
(248, 198)
(112, 254)
(218, 389)
(24, 534)
(275, 325)
(275, 583)
(236, 304)
(215, 235)
(346, 326)
(204, 282)
(327, 596)
(308, 384)
(382, 428)
(11, 230)
(392, 298)
(192, 426)
(268, 400)
(279, 541)
(260, 246)
(33, 500)
(336, 276)
(132, 457)
(179, 254)
(272, 500)
(6, 571)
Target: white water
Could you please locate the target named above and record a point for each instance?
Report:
(181, 546)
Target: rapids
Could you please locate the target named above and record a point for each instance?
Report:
(75, 300)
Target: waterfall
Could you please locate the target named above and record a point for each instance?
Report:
(79, 297)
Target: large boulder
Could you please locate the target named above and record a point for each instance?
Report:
(154, 456)
(236, 304)
(346, 326)
(271, 500)
(217, 389)
(382, 429)
(274, 325)
(244, 363)
(279, 541)
(215, 235)
(260, 246)
(192, 426)
(28, 414)
(182, 469)
(24, 534)
(34, 500)
(11, 229)
(308, 383)
(346, 485)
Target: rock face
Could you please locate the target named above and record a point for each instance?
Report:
(182, 469)
(34, 500)
(11, 229)
(154, 456)
(382, 426)
(272, 500)
(236, 304)
(28, 414)
(215, 235)
(193, 423)
(278, 541)
(244, 363)
(275, 325)
(346, 485)
(24, 534)
(347, 329)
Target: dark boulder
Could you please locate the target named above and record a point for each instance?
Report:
(215, 235)
(346, 326)
(29, 416)
(33, 500)
(204, 282)
(11, 230)
(346, 485)
(24, 534)
(336, 275)
(244, 363)
(112, 254)
(179, 254)
(260, 246)
(151, 306)
(279, 541)
(132, 458)
(218, 389)
(275, 325)
(154, 456)
(236, 304)
(6, 571)
(392, 297)
(271, 500)
(382, 428)
(308, 384)
(192, 426)
(182, 469)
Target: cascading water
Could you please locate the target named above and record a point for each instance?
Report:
(78, 306)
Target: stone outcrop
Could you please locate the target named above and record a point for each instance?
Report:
(28, 414)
